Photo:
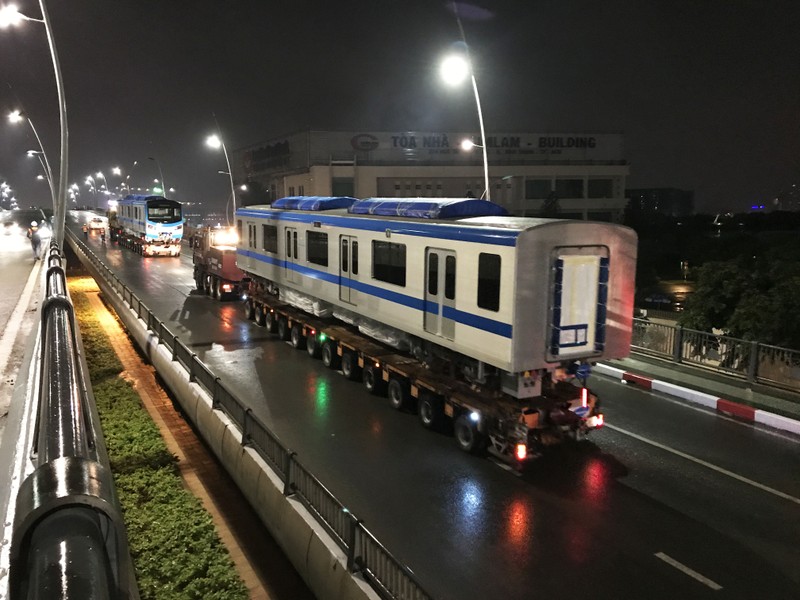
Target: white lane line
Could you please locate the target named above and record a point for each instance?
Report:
(15, 320)
(703, 463)
(691, 573)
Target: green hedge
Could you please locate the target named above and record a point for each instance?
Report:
(175, 548)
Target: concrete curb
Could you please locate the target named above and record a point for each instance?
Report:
(734, 409)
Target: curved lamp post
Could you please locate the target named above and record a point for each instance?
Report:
(47, 174)
(161, 174)
(456, 68)
(9, 15)
(214, 141)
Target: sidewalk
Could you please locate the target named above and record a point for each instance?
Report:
(747, 401)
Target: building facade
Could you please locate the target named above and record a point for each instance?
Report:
(567, 175)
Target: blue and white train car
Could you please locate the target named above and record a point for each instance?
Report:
(521, 295)
(150, 225)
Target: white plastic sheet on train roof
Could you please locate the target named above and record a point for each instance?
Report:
(315, 203)
(427, 208)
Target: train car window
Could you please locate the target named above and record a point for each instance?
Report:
(450, 277)
(288, 244)
(317, 248)
(355, 257)
(433, 274)
(239, 229)
(294, 243)
(270, 241)
(489, 281)
(389, 262)
(345, 248)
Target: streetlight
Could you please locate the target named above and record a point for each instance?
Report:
(214, 141)
(9, 15)
(163, 185)
(455, 68)
(47, 174)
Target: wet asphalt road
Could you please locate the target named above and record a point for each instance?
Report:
(667, 501)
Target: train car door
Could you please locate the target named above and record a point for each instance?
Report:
(348, 268)
(440, 292)
(290, 273)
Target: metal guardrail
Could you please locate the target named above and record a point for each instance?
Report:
(758, 363)
(365, 554)
(68, 540)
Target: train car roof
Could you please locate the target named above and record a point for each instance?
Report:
(314, 203)
(427, 208)
(142, 197)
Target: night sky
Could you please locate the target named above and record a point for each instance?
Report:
(706, 92)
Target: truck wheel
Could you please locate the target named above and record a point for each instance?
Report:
(218, 293)
(373, 382)
(398, 393)
(313, 346)
(283, 328)
(350, 368)
(270, 320)
(214, 287)
(468, 438)
(329, 357)
(207, 285)
(249, 310)
(198, 281)
(429, 411)
(260, 314)
(298, 339)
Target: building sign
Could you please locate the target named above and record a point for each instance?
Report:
(430, 146)
(421, 147)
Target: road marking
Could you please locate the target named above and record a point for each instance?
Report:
(703, 463)
(691, 573)
(15, 320)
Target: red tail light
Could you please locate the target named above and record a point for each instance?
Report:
(600, 420)
(521, 452)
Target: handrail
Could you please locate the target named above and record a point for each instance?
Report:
(68, 540)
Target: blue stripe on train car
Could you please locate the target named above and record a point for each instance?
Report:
(482, 323)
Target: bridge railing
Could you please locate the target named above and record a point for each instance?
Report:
(68, 540)
(758, 363)
(389, 577)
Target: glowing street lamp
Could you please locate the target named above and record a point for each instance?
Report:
(9, 15)
(455, 69)
(214, 141)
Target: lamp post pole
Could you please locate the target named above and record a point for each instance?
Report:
(11, 16)
(47, 174)
(215, 141)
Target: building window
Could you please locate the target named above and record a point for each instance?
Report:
(601, 188)
(489, 281)
(291, 190)
(301, 191)
(270, 238)
(317, 248)
(569, 188)
(389, 262)
(537, 189)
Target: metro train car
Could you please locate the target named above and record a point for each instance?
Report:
(501, 296)
(149, 225)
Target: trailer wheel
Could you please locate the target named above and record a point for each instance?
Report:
(468, 438)
(249, 310)
(207, 285)
(313, 346)
(429, 411)
(218, 293)
(283, 328)
(198, 281)
(373, 382)
(270, 320)
(259, 314)
(398, 393)
(329, 357)
(298, 339)
(350, 368)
